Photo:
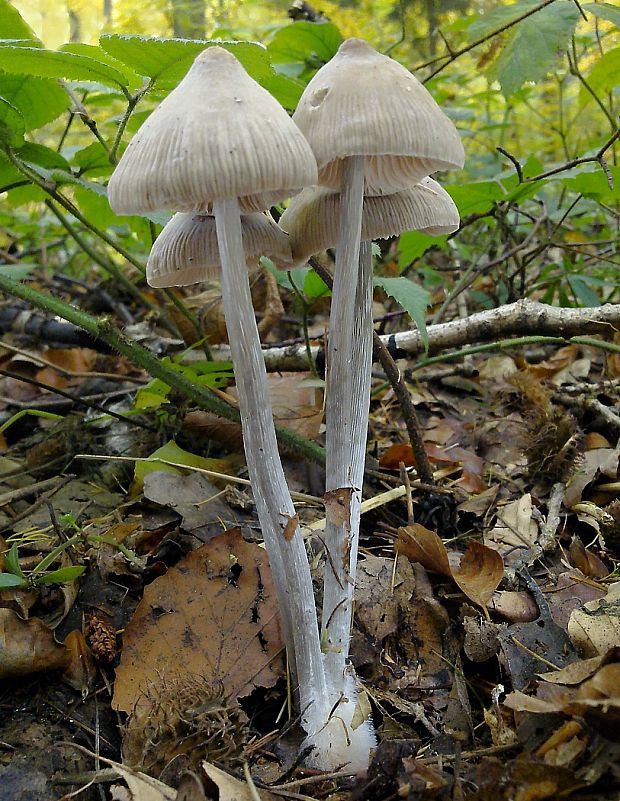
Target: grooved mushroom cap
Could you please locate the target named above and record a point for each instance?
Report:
(311, 219)
(362, 103)
(217, 135)
(186, 251)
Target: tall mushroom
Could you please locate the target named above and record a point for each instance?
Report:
(374, 130)
(221, 143)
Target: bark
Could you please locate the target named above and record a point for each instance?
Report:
(523, 318)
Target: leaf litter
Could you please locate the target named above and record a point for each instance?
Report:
(486, 625)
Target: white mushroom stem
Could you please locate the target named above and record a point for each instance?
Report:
(348, 397)
(283, 540)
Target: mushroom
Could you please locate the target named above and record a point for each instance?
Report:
(374, 130)
(186, 251)
(311, 218)
(220, 142)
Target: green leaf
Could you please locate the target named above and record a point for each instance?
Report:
(604, 11)
(93, 159)
(61, 576)
(12, 124)
(595, 185)
(40, 100)
(8, 581)
(308, 43)
(604, 75)
(43, 156)
(12, 561)
(286, 91)
(495, 18)
(583, 292)
(476, 197)
(167, 60)
(171, 452)
(53, 64)
(314, 286)
(204, 373)
(535, 45)
(12, 25)
(414, 299)
(97, 53)
(414, 244)
(17, 271)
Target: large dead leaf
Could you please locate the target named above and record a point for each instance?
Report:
(28, 646)
(595, 628)
(602, 461)
(516, 530)
(477, 574)
(231, 789)
(213, 615)
(194, 498)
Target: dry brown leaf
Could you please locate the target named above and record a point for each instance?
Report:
(420, 544)
(586, 561)
(516, 531)
(602, 461)
(297, 404)
(515, 607)
(231, 789)
(575, 673)
(28, 646)
(479, 573)
(290, 528)
(213, 615)
(141, 786)
(380, 595)
(395, 454)
(595, 628)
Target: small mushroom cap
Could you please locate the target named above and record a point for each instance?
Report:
(186, 251)
(311, 219)
(217, 135)
(362, 103)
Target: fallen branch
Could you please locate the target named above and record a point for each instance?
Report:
(525, 317)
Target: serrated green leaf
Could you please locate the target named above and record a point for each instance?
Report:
(535, 45)
(604, 11)
(97, 53)
(286, 91)
(12, 24)
(413, 244)
(495, 18)
(310, 43)
(166, 61)
(40, 100)
(93, 159)
(477, 196)
(414, 299)
(9, 581)
(12, 124)
(42, 156)
(53, 64)
(604, 75)
(595, 184)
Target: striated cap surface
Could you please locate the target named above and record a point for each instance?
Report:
(217, 135)
(186, 251)
(362, 103)
(311, 219)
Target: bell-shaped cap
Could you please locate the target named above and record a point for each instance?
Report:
(217, 135)
(186, 251)
(362, 103)
(311, 219)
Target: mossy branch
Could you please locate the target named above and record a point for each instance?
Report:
(105, 330)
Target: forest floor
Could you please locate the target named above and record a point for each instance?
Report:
(487, 620)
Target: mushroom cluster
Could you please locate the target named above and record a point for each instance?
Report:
(220, 150)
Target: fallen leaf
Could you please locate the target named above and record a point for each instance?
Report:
(586, 561)
(419, 544)
(515, 607)
(141, 786)
(231, 789)
(602, 461)
(395, 454)
(290, 528)
(214, 615)
(595, 628)
(193, 497)
(515, 531)
(28, 646)
(479, 573)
